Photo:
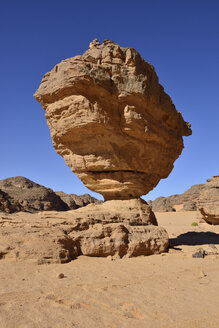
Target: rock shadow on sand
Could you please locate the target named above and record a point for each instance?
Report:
(194, 238)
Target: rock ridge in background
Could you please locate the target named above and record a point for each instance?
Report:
(74, 201)
(21, 194)
(186, 201)
(111, 120)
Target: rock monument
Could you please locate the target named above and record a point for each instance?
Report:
(114, 125)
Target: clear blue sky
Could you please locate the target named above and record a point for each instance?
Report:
(181, 40)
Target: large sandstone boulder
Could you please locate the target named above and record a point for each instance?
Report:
(114, 228)
(112, 121)
(208, 202)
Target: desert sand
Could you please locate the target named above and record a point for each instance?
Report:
(168, 290)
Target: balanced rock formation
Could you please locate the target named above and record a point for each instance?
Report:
(114, 228)
(112, 121)
(120, 133)
(208, 202)
(182, 202)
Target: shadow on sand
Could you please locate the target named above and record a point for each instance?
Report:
(195, 238)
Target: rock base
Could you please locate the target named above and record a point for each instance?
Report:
(114, 228)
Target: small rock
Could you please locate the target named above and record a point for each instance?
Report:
(116, 257)
(60, 276)
(202, 274)
(211, 250)
(200, 253)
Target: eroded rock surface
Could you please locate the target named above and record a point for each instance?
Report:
(112, 121)
(208, 202)
(7, 204)
(113, 228)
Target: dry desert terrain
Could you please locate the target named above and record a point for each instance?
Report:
(170, 290)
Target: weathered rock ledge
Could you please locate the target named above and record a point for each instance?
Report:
(114, 228)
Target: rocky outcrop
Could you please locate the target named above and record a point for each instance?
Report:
(26, 195)
(182, 202)
(21, 194)
(74, 201)
(161, 204)
(7, 204)
(132, 212)
(114, 228)
(208, 201)
(112, 121)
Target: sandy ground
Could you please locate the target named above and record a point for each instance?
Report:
(171, 290)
